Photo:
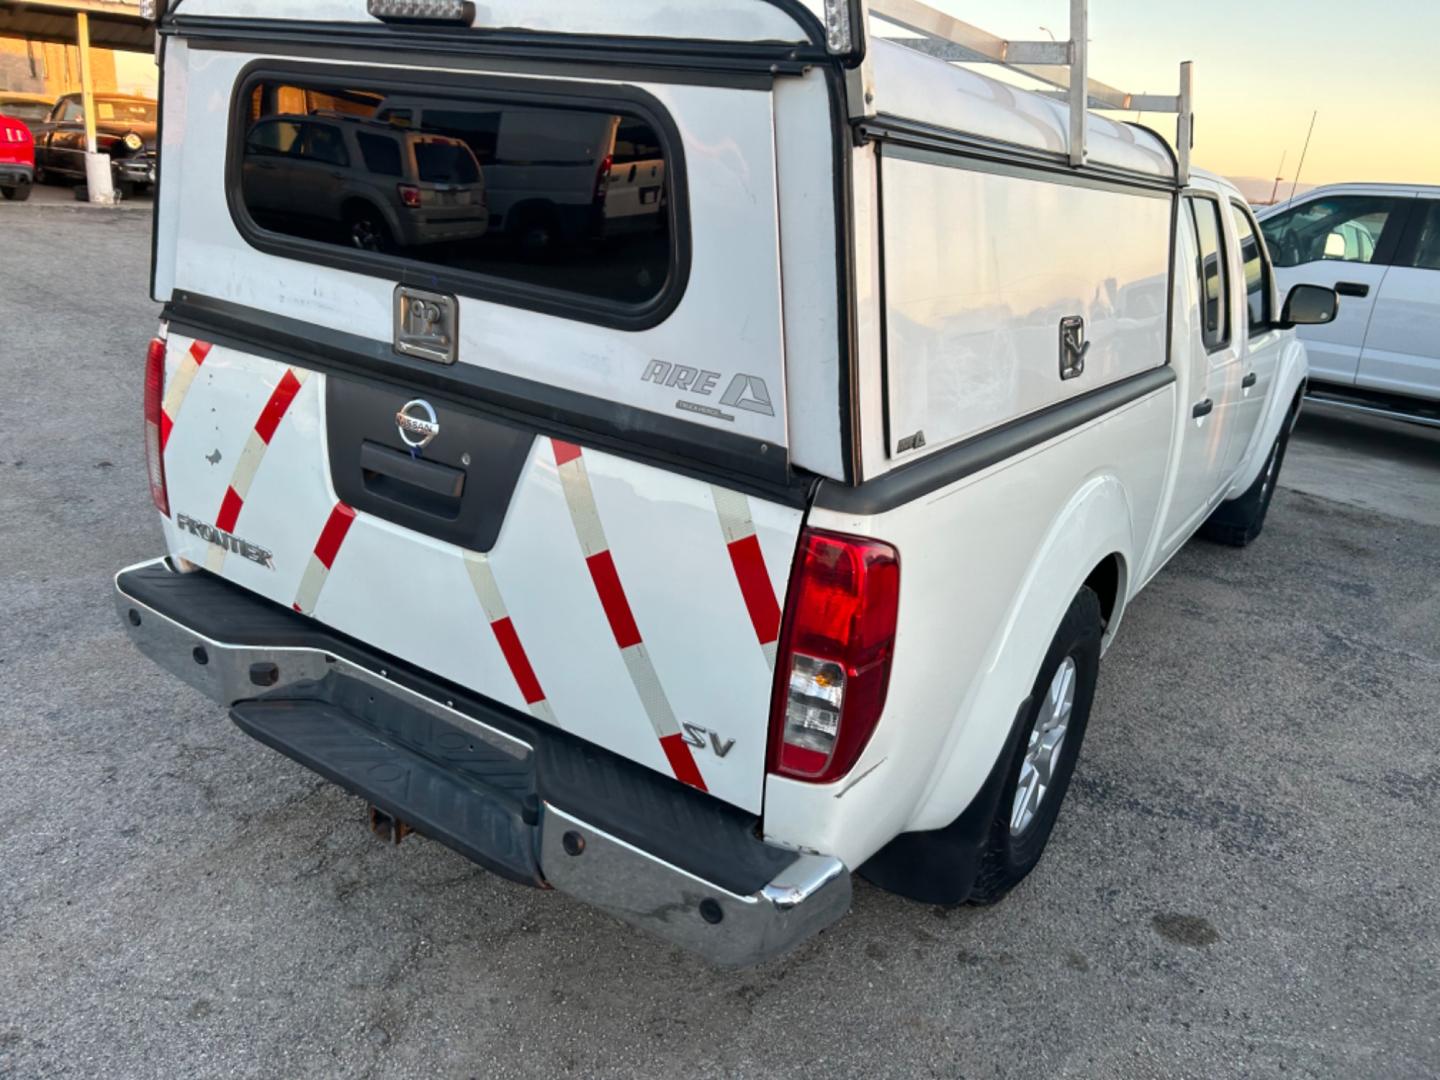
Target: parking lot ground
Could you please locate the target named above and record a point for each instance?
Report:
(1243, 884)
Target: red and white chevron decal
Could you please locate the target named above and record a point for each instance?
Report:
(580, 498)
(337, 525)
(178, 385)
(749, 563)
(250, 458)
(487, 591)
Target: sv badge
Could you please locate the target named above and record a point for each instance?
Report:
(703, 738)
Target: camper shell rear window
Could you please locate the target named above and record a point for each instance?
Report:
(561, 198)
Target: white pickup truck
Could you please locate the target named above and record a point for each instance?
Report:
(691, 568)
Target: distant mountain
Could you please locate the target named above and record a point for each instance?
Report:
(1257, 191)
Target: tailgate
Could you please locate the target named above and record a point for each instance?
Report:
(631, 606)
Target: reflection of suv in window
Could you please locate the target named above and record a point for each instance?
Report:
(1378, 245)
(384, 188)
(553, 180)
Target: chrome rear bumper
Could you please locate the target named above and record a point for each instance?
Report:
(570, 853)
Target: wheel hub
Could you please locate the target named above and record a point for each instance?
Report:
(1037, 770)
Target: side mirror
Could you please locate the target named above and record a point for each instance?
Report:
(1309, 305)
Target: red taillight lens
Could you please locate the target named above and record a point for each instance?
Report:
(155, 424)
(836, 645)
(409, 195)
(602, 178)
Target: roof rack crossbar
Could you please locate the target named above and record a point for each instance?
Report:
(1062, 65)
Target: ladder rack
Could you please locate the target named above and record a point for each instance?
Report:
(1062, 65)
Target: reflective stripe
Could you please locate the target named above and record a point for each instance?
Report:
(580, 498)
(249, 463)
(738, 529)
(487, 591)
(327, 547)
(179, 385)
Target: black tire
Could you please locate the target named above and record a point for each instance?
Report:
(1015, 841)
(42, 176)
(366, 230)
(126, 189)
(19, 193)
(1237, 522)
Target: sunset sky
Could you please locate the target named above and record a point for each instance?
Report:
(1261, 67)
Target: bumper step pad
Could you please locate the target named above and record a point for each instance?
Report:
(458, 791)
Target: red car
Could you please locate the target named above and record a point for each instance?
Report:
(17, 158)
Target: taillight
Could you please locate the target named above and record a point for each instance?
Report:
(602, 178)
(409, 195)
(836, 645)
(154, 420)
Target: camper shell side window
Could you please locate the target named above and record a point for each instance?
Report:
(562, 198)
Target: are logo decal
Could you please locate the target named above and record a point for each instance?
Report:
(747, 392)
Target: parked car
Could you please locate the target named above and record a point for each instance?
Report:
(17, 158)
(793, 559)
(1378, 245)
(608, 181)
(383, 188)
(125, 128)
(31, 108)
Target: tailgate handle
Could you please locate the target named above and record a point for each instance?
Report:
(422, 485)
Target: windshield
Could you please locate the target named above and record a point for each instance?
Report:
(134, 112)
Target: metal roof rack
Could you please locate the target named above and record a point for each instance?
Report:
(1062, 65)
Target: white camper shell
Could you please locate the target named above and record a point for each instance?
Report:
(743, 498)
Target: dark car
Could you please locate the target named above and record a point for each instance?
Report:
(125, 128)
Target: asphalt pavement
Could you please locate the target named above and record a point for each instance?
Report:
(1243, 883)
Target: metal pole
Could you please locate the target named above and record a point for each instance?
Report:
(87, 84)
(1305, 150)
(1079, 79)
(1185, 125)
(1279, 175)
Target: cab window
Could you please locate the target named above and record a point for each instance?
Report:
(1210, 272)
(1345, 228)
(1257, 271)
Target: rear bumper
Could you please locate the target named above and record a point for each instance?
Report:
(531, 803)
(12, 173)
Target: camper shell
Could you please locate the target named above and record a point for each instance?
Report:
(696, 536)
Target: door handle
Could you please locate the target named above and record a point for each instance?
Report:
(1249, 381)
(1203, 408)
(427, 486)
(1352, 288)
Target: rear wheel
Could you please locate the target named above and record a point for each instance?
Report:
(1045, 754)
(1240, 520)
(367, 230)
(19, 193)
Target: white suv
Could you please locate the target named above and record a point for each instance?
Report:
(1379, 246)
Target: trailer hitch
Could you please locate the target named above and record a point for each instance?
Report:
(390, 829)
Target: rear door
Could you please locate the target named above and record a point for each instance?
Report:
(461, 453)
(1257, 340)
(1205, 337)
(1402, 349)
(1344, 242)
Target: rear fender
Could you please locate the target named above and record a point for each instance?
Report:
(1095, 524)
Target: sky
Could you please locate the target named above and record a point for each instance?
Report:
(1262, 67)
